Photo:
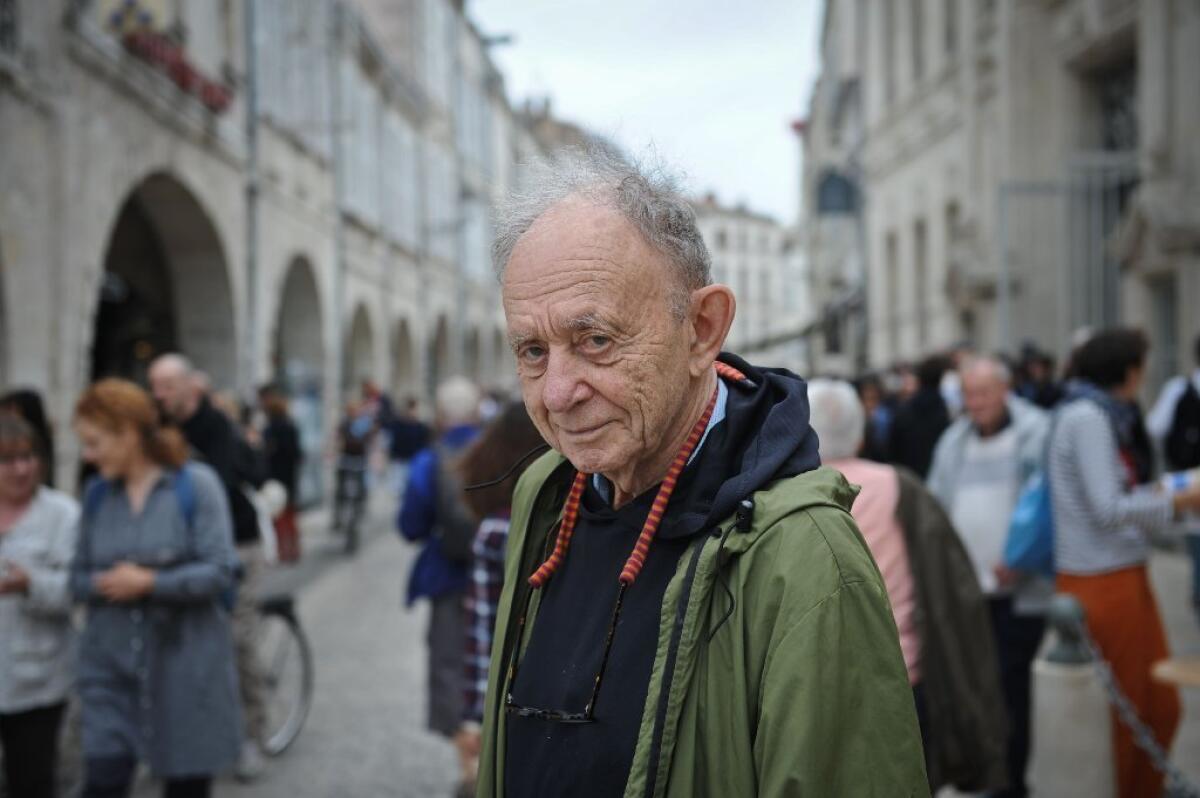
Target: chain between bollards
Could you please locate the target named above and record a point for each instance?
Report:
(1074, 646)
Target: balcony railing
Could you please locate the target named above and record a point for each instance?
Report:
(8, 26)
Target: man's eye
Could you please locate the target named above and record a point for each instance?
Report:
(597, 341)
(532, 354)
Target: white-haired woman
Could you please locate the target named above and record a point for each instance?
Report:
(939, 609)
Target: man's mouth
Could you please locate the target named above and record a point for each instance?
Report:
(579, 432)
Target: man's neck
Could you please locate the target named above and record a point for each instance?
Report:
(190, 411)
(632, 482)
(995, 427)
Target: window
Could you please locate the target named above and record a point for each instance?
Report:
(722, 240)
(916, 27)
(921, 282)
(890, 293)
(1117, 94)
(950, 26)
(889, 53)
(8, 26)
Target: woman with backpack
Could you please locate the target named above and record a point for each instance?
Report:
(154, 561)
(1103, 515)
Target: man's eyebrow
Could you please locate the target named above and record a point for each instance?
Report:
(516, 339)
(588, 321)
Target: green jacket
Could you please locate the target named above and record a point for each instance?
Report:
(786, 681)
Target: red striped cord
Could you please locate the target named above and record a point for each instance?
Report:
(637, 558)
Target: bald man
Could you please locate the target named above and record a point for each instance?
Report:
(179, 389)
(979, 466)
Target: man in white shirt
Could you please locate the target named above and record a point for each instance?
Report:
(979, 465)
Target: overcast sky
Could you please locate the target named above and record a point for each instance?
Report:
(711, 85)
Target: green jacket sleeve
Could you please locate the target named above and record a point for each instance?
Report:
(837, 716)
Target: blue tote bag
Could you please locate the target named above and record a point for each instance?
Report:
(1030, 544)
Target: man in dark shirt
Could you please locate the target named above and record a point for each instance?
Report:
(214, 439)
(688, 608)
(921, 420)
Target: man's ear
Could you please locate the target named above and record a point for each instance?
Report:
(710, 317)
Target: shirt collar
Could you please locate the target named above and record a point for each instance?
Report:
(604, 487)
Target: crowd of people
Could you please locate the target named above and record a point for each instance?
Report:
(976, 428)
(648, 568)
(163, 551)
(941, 454)
(164, 548)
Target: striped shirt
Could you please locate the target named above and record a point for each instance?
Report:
(482, 599)
(1100, 522)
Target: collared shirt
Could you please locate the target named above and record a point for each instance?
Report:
(604, 487)
(483, 599)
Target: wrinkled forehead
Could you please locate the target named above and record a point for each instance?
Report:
(578, 238)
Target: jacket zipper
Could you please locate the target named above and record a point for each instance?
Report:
(664, 696)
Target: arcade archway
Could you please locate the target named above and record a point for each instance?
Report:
(165, 287)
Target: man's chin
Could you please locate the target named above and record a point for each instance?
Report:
(589, 459)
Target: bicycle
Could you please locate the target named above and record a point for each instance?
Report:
(286, 660)
(350, 499)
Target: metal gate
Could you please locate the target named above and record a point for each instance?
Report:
(1058, 270)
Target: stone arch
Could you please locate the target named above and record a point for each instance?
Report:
(405, 368)
(473, 355)
(299, 366)
(359, 361)
(503, 369)
(439, 354)
(165, 286)
(298, 349)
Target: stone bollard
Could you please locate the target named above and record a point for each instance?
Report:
(1071, 752)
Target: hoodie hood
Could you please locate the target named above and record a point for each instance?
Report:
(765, 436)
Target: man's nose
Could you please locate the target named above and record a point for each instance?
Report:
(563, 386)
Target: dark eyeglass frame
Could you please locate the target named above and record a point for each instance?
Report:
(19, 457)
(556, 715)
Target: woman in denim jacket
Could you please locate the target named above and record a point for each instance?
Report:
(156, 671)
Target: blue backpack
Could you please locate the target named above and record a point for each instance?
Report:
(185, 495)
(1030, 543)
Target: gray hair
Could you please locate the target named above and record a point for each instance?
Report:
(174, 363)
(998, 368)
(837, 416)
(457, 402)
(648, 197)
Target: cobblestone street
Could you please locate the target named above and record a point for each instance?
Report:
(365, 735)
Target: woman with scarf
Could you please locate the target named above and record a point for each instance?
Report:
(1103, 515)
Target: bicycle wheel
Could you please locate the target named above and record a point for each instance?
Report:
(286, 660)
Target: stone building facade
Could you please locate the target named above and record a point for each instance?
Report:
(1018, 169)
(282, 189)
(761, 260)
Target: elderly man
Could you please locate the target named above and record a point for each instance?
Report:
(940, 611)
(688, 608)
(180, 390)
(978, 468)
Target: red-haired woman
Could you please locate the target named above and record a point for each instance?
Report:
(155, 556)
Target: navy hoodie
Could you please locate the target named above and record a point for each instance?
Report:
(764, 436)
